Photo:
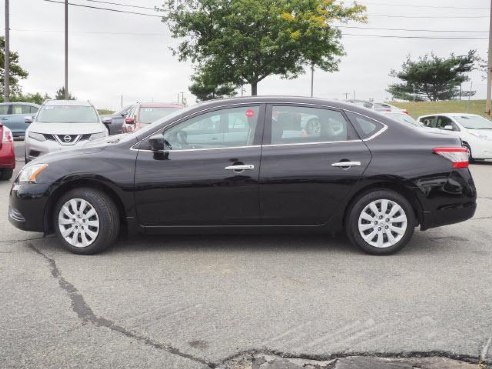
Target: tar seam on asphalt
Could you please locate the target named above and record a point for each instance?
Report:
(85, 313)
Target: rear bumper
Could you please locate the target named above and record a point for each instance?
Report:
(447, 200)
(7, 156)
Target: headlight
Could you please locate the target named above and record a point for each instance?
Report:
(30, 174)
(37, 136)
(97, 136)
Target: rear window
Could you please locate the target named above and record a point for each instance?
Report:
(67, 114)
(366, 127)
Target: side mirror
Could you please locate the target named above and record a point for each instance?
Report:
(107, 120)
(28, 120)
(130, 120)
(158, 143)
(448, 127)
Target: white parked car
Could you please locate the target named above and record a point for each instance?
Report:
(61, 125)
(379, 107)
(474, 130)
(403, 118)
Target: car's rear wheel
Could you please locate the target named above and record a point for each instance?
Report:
(86, 221)
(6, 174)
(380, 222)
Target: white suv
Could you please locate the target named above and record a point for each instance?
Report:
(61, 125)
(474, 130)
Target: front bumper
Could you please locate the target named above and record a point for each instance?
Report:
(27, 207)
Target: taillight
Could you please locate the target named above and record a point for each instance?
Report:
(1, 134)
(457, 155)
(7, 136)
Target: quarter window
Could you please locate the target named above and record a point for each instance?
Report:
(296, 124)
(21, 109)
(218, 129)
(366, 127)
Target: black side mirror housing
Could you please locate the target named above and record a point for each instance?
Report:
(158, 143)
(28, 119)
(107, 120)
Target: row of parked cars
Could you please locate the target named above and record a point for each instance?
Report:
(63, 124)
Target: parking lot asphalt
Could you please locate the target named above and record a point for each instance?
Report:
(195, 302)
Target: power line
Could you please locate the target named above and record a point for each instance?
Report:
(91, 32)
(121, 4)
(426, 17)
(417, 37)
(411, 29)
(106, 9)
(425, 6)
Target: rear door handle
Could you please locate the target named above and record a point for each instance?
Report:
(346, 164)
(240, 167)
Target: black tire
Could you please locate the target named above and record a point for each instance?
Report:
(107, 215)
(470, 156)
(6, 174)
(355, 211)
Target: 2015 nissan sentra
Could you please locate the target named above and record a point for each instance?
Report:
(250, 164)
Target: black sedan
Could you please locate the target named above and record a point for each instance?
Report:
(251, 164)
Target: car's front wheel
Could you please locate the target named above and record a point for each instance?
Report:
(86, 221)
(380, 222)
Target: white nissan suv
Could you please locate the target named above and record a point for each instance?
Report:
(61, 125)
(474, 131)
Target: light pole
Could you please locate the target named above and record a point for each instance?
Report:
(312, 80)
(489, 67)
(6, 88)
(66, 49)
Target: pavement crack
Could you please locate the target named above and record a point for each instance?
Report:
(86, 314)
(484, 352)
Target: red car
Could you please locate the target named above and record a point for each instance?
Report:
(146, 113)
(7, 154)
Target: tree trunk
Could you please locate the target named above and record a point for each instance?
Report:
(254, 88)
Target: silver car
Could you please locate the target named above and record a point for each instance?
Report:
(61, 125)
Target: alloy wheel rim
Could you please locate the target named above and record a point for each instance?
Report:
(382, 223)
(78, 222)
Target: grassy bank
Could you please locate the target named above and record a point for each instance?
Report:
(416, 109)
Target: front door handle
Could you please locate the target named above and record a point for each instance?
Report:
(346, 164)
(240, 167)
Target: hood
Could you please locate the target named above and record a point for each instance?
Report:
(67, 128)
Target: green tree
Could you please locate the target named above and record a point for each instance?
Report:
(16, 71)
(432, 78)
(60, 94)
(245, 41)
(206, 87)
(35, 98)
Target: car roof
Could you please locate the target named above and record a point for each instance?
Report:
(68, 102)
(449, 115)
(19, 103)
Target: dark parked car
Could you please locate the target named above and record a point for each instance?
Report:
(248, 164)
(114, 122)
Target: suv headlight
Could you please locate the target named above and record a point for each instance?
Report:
(97, 136)
(37, 136)
(30, 174)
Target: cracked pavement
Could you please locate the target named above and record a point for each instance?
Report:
(259, 302)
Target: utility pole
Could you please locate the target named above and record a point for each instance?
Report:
(6, 89)
(489, 67)
(66, 49)
(312, 80)
(346, 95)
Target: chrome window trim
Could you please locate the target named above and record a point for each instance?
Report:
(239, 104)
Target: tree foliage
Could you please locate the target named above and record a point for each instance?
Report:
(16, 71)
(242, 42)
(205, 87)
(60, 94)
(432, 78)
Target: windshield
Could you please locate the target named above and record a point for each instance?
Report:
(473, 121)
(149, 115)
(404, 118)
(67, 114)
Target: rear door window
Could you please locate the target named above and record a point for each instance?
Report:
(302, 124)
(21, 109)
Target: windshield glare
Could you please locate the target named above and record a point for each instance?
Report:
(149, 115)
(67, 114)
(474, 122)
